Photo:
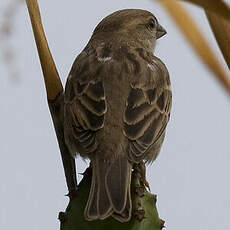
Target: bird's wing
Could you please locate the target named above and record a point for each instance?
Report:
(147, 110)
(85, 106)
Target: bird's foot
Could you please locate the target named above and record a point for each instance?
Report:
(139, 189)
(140, 171)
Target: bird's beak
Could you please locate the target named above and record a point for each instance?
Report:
(160, 31)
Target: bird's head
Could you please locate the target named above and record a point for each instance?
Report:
(133, 25)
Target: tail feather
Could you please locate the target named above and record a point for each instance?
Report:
(118, 183)
(103, 203)
(98, 205)
(127, 212)
(110, 190)
(91, 206)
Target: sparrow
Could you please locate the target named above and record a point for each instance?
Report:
(116, 107)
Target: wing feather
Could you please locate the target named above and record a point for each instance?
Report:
(85, 107)
(147, 111)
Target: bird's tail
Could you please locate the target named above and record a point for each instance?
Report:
(110, 190)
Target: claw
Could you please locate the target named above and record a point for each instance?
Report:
(140, 171)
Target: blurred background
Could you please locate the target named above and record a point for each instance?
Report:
(191, 174)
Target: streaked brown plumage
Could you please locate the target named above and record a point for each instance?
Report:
(117, 106)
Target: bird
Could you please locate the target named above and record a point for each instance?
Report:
(117, 104)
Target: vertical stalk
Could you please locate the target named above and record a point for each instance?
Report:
(54, 90)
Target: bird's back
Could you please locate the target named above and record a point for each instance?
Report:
(117, 68)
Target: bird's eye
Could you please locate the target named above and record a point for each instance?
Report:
(151, 24)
